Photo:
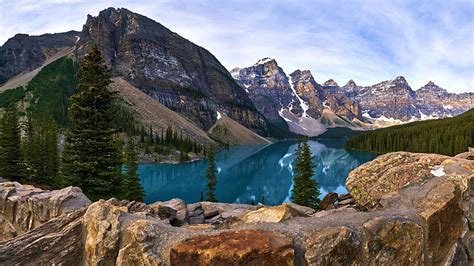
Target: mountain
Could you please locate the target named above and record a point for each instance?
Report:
(448, 136)
(227, 131)
(310, 108)
(184, 77)
(394, 101)
(25, 53)
(186, 81)
(306, 106)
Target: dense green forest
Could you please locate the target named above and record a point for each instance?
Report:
(448, 136)
(51, 89)
(48, 96)
(70, 101)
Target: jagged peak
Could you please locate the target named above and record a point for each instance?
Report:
(330, 82)
(265, 60)
(401, 79)
(430, 83)
(301, 72)
(350, 83)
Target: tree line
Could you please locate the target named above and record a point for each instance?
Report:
(448, 136)
(93, 157)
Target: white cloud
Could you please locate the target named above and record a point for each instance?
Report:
(368, 41)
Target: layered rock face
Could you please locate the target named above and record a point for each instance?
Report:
(25, 53)
(181, 75)
(309, 107)
(267, 86)
(420, 212)
(26, 207)
(395, 101)
(297, 98)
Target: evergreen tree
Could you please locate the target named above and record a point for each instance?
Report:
(452, 136)
(183, 156)
(11, 161)
(134, 188)
(90, 153)
(51, 150)
(211, 176)
(305, 188)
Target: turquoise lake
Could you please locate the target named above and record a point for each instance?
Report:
(252, 174)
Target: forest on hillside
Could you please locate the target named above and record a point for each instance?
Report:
(448, 136)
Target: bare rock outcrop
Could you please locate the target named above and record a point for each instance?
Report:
(389, 173)
(246, 247)
(25, 207)
(424, 219)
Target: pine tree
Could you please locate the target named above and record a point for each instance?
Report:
(90, 153)
(134, 188)
(305, 188)
(11, 161)
(183, 156)
(49, 137)
(211, 176)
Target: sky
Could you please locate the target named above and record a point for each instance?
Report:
(367, 41)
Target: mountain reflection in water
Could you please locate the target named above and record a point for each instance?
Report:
(257, 173)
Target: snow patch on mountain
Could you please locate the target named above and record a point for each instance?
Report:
(303, 105)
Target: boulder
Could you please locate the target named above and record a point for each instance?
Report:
(333, 246)
(389, 173)
(329, 199)
(341, 197)
(469, 155)
(137, 241)
(180, 206)
(440, 209)
(470, 215)
(208, 207)
(469, 244)
(457, 256)
(393, 241)
(348, 201)
(25, 207)
(195, 213)
(56, 242)
(246, 247)
(274, 214)
(102, 229)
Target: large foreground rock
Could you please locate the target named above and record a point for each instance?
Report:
(276, 214)
(388, 173)
(25, 207)
(248, 247)
(424, 222)
(56, 242)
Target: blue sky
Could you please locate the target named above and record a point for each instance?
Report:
(368, 41)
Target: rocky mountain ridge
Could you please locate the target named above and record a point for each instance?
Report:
(183, 76)
(309, 108)
(177, 73)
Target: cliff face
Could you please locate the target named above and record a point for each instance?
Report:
(24, 53)
(416, 208)
(296, 98)
(309, 108)
(267, 86)
(179, 74)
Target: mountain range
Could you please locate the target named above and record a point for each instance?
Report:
(168, 80)
(310, 108)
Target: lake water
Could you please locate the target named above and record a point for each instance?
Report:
(252, 174)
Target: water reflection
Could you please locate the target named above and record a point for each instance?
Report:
(259, 173)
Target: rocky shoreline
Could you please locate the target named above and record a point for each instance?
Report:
(408, 209)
